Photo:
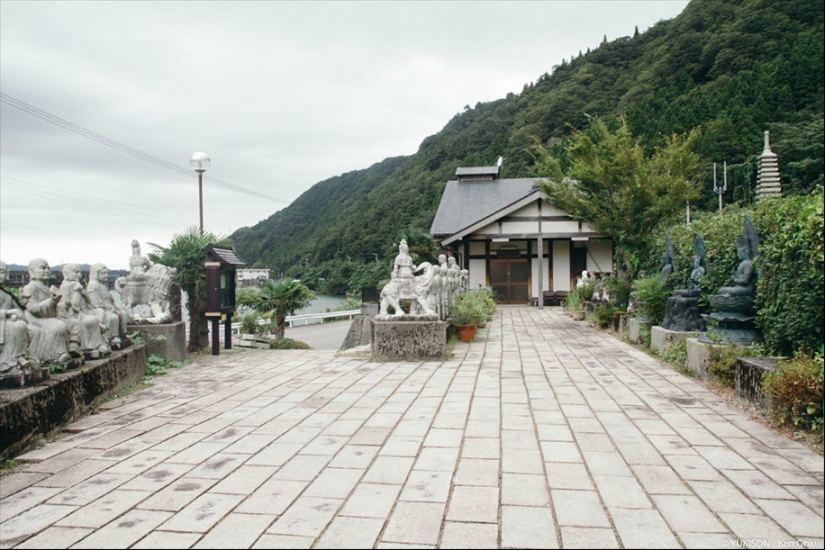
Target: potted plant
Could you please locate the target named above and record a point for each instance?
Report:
(464, 316)
(575, 304)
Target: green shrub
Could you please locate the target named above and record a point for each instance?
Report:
(675, 353)
(603, 314)
(796, 391)
(250, 324)
(651, 297)
(619, 290)
(722, 360)
(791, 283)
(288, 343)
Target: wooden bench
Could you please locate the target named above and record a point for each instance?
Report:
(553, 297)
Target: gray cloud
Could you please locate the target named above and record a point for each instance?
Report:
(280, 94)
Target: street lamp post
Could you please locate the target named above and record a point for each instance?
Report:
(200, 163)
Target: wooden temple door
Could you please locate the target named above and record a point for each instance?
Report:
(509, 279)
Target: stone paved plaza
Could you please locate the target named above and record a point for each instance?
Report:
(543, 433)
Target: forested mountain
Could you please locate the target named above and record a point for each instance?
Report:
(734, 68)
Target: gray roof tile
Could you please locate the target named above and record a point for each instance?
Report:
(464, 203)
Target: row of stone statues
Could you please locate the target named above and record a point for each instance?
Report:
(430, 293)
(47, 325)
(734, 317)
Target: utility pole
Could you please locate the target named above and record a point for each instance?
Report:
(719, 190)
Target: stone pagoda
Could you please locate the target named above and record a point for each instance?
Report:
(768, 185)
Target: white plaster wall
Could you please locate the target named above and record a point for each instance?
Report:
(519, 227)
(531, 209)
(599, 256)
(561, 265)
(478, 273)
(545, 277)
(477, 248)
(560, 227)
(491, 229)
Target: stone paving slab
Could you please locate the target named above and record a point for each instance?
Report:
(542, 433)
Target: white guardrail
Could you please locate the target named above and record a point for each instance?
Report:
(305, 318)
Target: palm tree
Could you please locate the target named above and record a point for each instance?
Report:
(185, 254)
(281, 299)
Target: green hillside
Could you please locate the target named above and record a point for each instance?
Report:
(734, 68)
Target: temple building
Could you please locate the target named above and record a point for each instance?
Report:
(496, 227)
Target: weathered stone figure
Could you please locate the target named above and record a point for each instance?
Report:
(14, 334)
(138, 263)
(77, 311)
(105, 309)
(734, 304)
(50, 340)
(667, 260)
(406, 286)
(682, 308)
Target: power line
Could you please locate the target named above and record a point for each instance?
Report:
(82, 203)
(85, 132)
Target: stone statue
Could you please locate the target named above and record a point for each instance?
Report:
(154, 308)
(138, 263)
(403, 267)
(144, 294)
(77, 311)
(682, 308)
(743, 275)
(15, 361)
(734, 317)
(50, 336)
(404, 285)
(105, 309)
(667, 260)
(699, 267)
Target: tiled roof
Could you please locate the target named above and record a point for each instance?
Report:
(465, 203)
(223, 255)
(477, 171)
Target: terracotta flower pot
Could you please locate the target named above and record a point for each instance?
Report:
(577, 315)
(466, 333)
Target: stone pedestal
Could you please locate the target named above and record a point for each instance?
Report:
(698, 356)
(167, 340)
(661, 338)
(682, 313)
(732, 328)
(634, 329)
(409, 340)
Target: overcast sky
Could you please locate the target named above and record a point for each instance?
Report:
(281, 95)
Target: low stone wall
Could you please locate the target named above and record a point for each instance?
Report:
(31, 413)
(749, 372)
(698, 356)
(635, 328)
(661, 338)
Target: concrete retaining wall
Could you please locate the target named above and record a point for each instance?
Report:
(32, 413)
(660, 338)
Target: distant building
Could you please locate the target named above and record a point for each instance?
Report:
(496, 227)
(251, 277)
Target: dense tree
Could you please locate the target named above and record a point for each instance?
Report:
(613, 186)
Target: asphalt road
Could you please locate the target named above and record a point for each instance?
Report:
(322, 336)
